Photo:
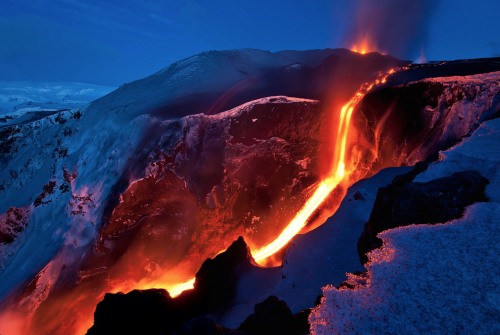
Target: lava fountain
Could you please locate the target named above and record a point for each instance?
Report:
(337, 173)
(365, 45)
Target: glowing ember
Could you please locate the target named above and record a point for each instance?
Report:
(325, 187)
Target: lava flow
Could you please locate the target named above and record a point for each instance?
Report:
(323, 190)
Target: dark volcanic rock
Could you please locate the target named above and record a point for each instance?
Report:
(245, 172)
(154, 311)
(201, 326)
(137, 312)
(409, 122)
(403, 203)
(47, 190)
(300, 322)
(272, 316)
(214, 281)
(439, 200)
(381, 214)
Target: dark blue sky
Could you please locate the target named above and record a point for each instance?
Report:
(113, 42)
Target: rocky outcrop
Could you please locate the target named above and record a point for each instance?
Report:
(137, 312)
(244, 172)
(440, 200)
(403, 203)
(214, 284)
(155, 312)
(152, 311)
(13, 222)
(409, 122)
(273, 317)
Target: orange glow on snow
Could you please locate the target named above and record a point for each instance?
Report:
(325, 187)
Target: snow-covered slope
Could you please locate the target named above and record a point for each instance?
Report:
(433, 279)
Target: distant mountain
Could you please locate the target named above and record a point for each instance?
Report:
(18, 98)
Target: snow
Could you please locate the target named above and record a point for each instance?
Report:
(20, 97)
(429, 279)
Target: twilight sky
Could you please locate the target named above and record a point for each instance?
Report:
(111, 42)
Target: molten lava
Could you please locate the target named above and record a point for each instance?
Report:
(365, 45)
(325, 187)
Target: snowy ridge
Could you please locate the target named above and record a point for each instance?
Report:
(267, 100)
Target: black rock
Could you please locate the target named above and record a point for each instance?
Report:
(153, 312)
(358, 196)
(137, 312)
(271, 317)
(404, 203)
(439, 200)
(214, 285)
(300, 322)
(201, 326)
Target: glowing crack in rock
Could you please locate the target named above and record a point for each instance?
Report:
(324, 188)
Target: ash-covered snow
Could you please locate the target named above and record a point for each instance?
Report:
(429, 279)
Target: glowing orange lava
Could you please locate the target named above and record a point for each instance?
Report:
(179, 288)
(365, 45)
(324, 188)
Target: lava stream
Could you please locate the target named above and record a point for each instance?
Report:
(324, 189)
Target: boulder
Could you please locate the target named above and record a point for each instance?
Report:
(214, 285)
(271, 317)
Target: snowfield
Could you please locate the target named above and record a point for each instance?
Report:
(18, 98)
(430, 279)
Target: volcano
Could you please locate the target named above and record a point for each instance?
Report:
(203, 173)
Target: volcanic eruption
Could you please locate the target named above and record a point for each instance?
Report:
(234, 179)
